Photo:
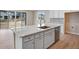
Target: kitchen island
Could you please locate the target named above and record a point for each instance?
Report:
(33, 37)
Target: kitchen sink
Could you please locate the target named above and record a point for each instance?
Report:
(44, 27)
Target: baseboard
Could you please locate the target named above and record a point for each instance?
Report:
(73, 33)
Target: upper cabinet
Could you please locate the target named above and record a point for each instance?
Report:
(56, 14)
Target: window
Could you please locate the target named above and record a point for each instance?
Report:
(3, 19)
(12, 19)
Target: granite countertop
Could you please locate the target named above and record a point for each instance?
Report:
(28, 30)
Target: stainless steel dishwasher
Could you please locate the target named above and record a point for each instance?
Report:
(57, 34)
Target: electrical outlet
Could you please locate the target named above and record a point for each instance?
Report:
(72, 27)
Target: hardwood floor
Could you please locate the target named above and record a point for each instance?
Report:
(68, 41)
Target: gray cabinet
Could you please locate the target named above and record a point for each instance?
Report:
(28, 45)
(39, 41)
(28, 42)
(49, 38)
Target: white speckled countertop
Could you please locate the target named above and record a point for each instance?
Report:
(28, 30)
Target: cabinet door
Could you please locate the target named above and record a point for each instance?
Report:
(28, 45)
(49, 38)
(39, 41)
(28, 42)
(52, 36)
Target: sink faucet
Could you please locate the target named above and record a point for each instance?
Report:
(40, 23)
(41, 18)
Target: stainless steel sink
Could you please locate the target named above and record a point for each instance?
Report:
(44, 27)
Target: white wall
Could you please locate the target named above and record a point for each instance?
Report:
(56, 13)
(32, 15)
(71, 10)
(57, 17)
(47, 16)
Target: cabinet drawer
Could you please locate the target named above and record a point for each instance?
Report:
(47, 32)
(28, 45)
(37, 35)
(25, 39)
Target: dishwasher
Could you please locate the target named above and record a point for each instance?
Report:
(57, 34)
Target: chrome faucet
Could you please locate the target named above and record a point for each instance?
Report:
(41, 18)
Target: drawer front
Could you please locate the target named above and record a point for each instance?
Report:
(42, 34)
(28, 45)
(48, 31)
(37, 35)
(25, 39)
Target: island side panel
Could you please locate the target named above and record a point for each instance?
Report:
(18, 42)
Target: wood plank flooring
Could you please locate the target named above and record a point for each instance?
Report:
(68, 41)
